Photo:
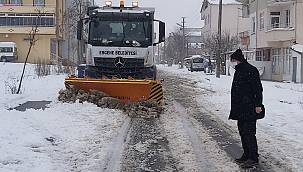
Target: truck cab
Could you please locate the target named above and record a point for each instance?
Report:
(8, 51)
(120, 41)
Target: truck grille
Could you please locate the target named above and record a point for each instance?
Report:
(110, 62)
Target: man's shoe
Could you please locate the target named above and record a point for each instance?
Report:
(250, 163)
(241, 160)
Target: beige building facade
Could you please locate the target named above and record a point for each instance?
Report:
(276, 25)
(19, 17)
(233, 21)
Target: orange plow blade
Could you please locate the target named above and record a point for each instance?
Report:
(123, 89)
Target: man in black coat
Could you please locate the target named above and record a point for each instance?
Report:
(246, 103)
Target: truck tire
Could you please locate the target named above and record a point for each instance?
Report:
(3, 59)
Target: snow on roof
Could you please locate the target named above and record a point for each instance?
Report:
(224, 2)
(298, 47)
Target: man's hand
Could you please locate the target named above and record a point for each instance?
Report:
(258, 109)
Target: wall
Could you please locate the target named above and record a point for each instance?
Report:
(264, 67)
(41, 49)
(207, 24)
(47, 2)
(299, 19)
(230, 18)
(252, 41)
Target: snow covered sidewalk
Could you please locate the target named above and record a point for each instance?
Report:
(279, 134)
(63, 137)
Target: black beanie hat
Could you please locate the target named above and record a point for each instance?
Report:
(238, 55)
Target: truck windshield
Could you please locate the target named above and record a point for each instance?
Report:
(6, 49)
(198, 60)
(120, 33)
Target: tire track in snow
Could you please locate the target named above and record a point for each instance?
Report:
(115, 149)
(201, 156)
(147, 148)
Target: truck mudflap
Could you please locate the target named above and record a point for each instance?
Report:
(127, 90)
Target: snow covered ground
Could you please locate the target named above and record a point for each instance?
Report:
(279, 134)
(63, 137)
(79, 137)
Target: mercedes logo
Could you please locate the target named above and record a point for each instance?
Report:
(119, 62)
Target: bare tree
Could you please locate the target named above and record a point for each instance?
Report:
(32, 40)
(174, 47)
(228, 43)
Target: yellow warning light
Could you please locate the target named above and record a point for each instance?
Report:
(135, 3)
(108, 3)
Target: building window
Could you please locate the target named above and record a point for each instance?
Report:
(6, 49)
(28, 20)
(12, 2)
(39, 2)
(261, 21)
(276, 60)
(275, 19)
(253, 25)
(286, 61)
(16, 2)
(259, 56)
(3, 1)
(287, 18)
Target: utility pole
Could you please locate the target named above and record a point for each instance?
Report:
(80, 41)
(68, 33)
(159, 57)
(218, 69)
(183, 40)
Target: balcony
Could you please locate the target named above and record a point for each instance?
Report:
(280, 32)
(27, 30)
(279, 2)
(12, 8)
(279, 26)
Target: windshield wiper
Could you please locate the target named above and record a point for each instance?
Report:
(144, 30)
(123, 33)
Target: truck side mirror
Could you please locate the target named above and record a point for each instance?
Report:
(161, 31)
(79, 29)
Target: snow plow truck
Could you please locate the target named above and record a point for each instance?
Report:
(119, 44)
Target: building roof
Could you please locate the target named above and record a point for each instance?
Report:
(216, 2)
(298, 48)
(224, 2)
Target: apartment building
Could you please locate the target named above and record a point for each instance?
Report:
(17, 19)
(233, 21)
(276, 25)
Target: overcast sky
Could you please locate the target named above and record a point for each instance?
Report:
(171, 11)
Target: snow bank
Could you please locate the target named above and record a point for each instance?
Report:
(64, 137)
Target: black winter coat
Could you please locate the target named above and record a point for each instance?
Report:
(246, 92)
